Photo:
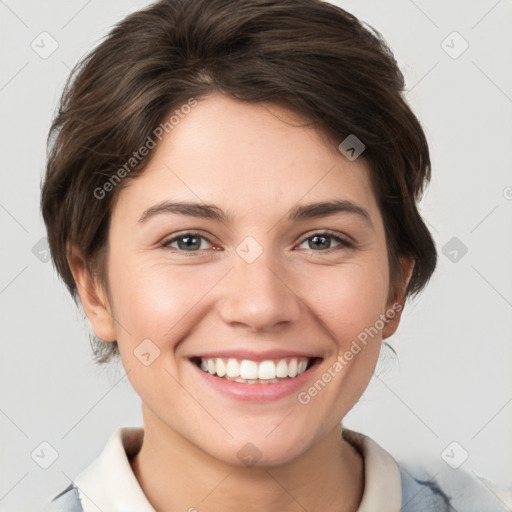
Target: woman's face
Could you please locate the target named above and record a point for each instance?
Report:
(249, 274)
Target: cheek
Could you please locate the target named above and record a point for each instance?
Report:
(348, 298)
(156, 301)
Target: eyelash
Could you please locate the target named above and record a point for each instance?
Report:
(345, 244)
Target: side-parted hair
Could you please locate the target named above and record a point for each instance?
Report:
(307, 55)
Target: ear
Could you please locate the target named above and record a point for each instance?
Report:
(396, 304)
(92, 296)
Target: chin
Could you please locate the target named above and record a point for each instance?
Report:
(259, 451)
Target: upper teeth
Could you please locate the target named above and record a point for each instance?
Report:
(247, 369)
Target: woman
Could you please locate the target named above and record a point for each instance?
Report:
(231, 193)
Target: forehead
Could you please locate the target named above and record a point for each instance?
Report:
(249, 157)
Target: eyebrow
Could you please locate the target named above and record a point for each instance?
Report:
(297, 213)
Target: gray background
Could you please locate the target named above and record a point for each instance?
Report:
(452, 379)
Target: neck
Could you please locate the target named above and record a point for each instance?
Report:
(328, 476)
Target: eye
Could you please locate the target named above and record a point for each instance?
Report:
(186, 242)
(192, 242)
(322, 240)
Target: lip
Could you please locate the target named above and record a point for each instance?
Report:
(257, 392)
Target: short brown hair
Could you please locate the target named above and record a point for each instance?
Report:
(307, 55)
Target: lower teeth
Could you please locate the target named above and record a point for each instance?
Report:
(252, 381)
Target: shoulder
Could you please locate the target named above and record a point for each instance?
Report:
(422, 495)
(108, 482)
(432, 487)
(428, 485)
(66, 501)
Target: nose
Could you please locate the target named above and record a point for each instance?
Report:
(259, 296)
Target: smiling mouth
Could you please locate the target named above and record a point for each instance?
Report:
(255, 372)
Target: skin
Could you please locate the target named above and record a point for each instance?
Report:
(256, 162)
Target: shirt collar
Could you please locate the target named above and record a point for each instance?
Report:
(108, 483)
(382, 480)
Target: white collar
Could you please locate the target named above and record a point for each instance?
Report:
(382, 480)
(108, 483)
